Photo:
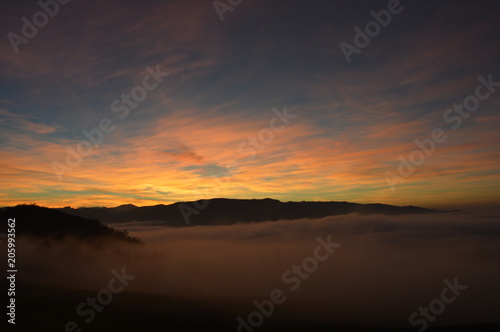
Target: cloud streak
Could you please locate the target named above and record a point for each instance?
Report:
(224, 81)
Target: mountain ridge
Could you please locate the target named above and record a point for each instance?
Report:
(225, 211)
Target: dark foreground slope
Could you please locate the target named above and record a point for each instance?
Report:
(222, 211)
(50, 309)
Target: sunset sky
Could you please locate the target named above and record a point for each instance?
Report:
(210, 127)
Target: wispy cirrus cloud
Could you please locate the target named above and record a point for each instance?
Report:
(224, 81)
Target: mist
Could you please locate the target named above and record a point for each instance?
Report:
(385, 268)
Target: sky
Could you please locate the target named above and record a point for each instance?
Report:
(154, 102)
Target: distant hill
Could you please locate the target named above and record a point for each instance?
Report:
(43, 222)
(221, 211)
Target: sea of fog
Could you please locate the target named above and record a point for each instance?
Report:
(383, 269)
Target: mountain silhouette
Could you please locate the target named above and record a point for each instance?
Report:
(222, 211)
(44, 222)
